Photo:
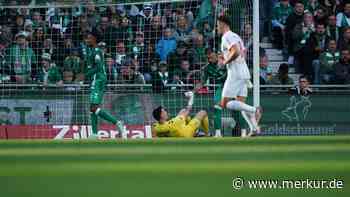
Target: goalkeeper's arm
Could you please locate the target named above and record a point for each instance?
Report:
(185, 112)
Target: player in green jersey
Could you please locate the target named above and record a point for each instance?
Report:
(217, 76)
(96, 71)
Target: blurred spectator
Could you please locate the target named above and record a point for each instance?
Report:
(49, 73)
(161, 77)
(93, 17)
(106, 32)
(343, 18)
(342, 68)
(145, 17)
(149, 60)
(19, 25)
(183, 29)
(37, 20)
(282, 77)
(280, 14)
(5, 35)
(344, 42)
(181, 52)
(325, 68)
(320, 16)
(4, 69)
(21, 60)
(125, 32)
(72, 63)
(38, 40)
(155, 31)
(265, 70)
(130, 73)
(293, 19)
(166, 45)
(183, 71)
(312, 6)
(199, 51)
(247, 36)
(120, 54)
(333, 32)
(302, 89)
(138, 47)
(111, 69)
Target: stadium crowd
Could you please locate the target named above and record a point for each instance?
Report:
(164, 43)
(315, 38)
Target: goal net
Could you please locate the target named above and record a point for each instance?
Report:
(154, 52)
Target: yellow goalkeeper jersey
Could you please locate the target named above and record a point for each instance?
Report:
(177, 127)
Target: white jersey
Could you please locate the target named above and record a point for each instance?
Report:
(237, 69)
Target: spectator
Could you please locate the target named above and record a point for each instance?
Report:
(105, 31)
(265, 70)
(199, 51)
(182, 32)
(120, 54)
(38, 40)
(343, 18)
(19, 25)
(248, 42)
(144, 18)
(130, 73)
(148, 61)
(314, 46)
(5, 35)
(344, 42)
(49, 73)
(125, 32)
(155, 32)
(93, 17)
(72, 63)
(328, 60)
(181, 52)
(302, 89)
(293, 19)
(312, 6)
(282, 77)
(342, 68)
(302, 32)
(333, 32)
(184, 71)
(137, 49)
(280, 14)
(37, 20)
(111, 69)
(166, 45)
(21, 60)
(161, 78)
(321, 16)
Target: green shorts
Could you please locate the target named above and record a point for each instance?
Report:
(97, 91)
(217, 95)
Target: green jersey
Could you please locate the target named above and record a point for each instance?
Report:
(96, 64)
(51, 76)
(213, 73)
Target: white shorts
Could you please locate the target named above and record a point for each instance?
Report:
(234, 88)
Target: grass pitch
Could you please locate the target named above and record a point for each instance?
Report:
(171, 167)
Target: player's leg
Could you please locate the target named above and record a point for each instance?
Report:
(96, 98)
(217, 112)
(94, 119)
(202, 116)
(200, 120)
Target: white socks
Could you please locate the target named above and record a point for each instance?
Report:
(240, 106)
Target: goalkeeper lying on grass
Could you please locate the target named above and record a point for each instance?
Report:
(182, 125)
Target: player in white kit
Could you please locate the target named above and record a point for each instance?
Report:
(236, 86)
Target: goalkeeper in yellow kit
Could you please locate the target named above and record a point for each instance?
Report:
(182, 125)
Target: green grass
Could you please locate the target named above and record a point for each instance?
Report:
(171, 167)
